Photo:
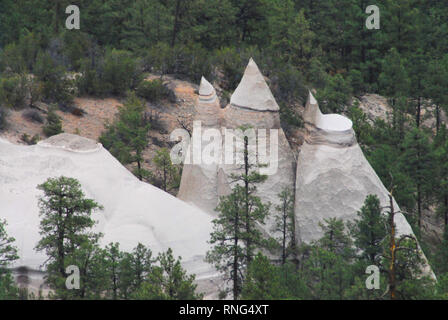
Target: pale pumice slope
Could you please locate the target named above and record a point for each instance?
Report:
(133, 211)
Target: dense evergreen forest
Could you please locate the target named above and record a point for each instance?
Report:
(299, 45)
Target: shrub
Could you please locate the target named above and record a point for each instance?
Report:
(357, 81)
(336, 95)
(30, 141)
(191, 61)
(233, 61)
(289, 116)
(20, 57)
(120, 72)
(54, 124)
(288, 84)
(56, 86)
(153, 90)
(13, 91)
(75, 45)
(33, 115)
(12, 60)
(89, 83)
(3, 118)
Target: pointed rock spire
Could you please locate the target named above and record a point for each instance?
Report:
(328, 122)
(312, 112)
(205, 88)
(206, 91)
(253, 91)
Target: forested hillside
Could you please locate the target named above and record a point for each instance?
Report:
(300, 45)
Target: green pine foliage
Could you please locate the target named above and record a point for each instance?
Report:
(127, 137)
(53, 125)
(8, 254)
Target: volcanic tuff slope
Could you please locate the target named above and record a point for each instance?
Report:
(133, 211)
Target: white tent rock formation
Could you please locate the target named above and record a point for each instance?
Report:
(333, 176)
(133, 211)
(251, 104)
(332, 179)
(199, 183)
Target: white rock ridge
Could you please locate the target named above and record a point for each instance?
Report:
(133, 211)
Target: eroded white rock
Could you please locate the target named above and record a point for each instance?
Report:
(133, 211)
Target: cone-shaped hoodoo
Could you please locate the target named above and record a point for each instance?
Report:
(253, 91)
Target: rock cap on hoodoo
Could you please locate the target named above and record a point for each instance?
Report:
(327, 122)
(312, 112)
(71, 142)
(206, 91)
(253, 91)
(206, 88)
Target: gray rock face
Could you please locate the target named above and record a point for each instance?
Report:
(281, 157)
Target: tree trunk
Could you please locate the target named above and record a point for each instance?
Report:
(437, 118)
(285, 221)
(392, 248)
(418, 114)
(235, 257)
(446, 210)
(139, 166)
(246, 199)
(164, 178)
(419, 205)
(176, 23)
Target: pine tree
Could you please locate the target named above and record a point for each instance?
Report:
(262, 281)
(441, 255)
(235, 236)
(127, 138)
(168, 281)
(253, 209)
(284, 223)
(437, 82)
(65, 227)
(167, 173)
(369, 231)
(441, 157)
(417, 164)
(418, 68)
(141, 265)
(228, 254)
(291, 33)
(405, 265)
(327, 270)
(113, 258)
(394, 80)
(54, 124)
(8, 254)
